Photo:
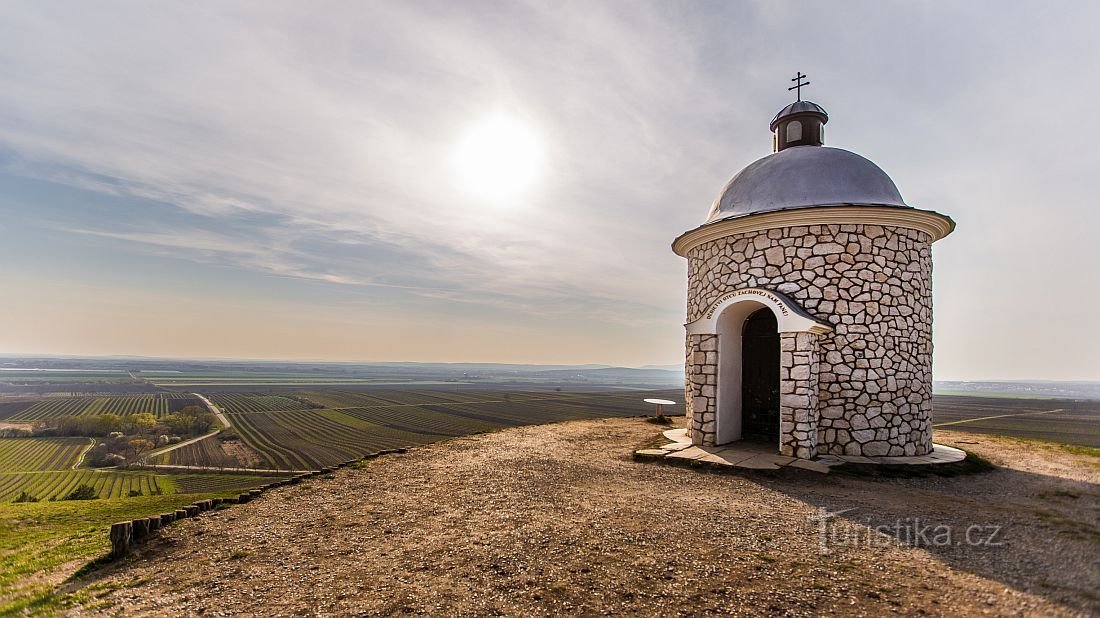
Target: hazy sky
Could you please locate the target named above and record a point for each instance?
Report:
(276, 179)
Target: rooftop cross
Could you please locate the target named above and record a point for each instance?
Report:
(797, 87)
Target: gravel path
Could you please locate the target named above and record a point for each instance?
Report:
(559, 519)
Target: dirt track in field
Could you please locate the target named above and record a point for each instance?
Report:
(559, 519)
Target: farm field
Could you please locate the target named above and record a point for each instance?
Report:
(107, 484)
(337, 399)
(40, 454)
(62, 375)
(118, 484)
(1053, 420)
(159, 405)
(211, 452)
(240, 403)
(312, 426)
(43, 467)
(384, 419)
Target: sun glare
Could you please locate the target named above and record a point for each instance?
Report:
(498, 158)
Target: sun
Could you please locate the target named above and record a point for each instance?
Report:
(498, 159)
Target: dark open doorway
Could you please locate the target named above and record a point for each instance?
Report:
(760, 377)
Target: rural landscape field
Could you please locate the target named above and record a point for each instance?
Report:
(268, 423)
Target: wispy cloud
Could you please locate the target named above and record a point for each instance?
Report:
(315, 144)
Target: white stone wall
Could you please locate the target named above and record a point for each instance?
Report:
(701, 388)
(874, 285)
(798, 389)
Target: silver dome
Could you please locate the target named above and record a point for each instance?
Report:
(805, 177)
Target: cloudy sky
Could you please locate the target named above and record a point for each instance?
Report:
(278, 179)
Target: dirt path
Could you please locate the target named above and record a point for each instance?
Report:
(559, 519)
(215, 410)
(986, 418)
(210, 434)
(84, 453)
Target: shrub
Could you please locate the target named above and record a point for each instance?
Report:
(25, 497)
(83, 492)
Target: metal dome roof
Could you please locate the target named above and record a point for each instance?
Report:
(799, 107)
(805, 177)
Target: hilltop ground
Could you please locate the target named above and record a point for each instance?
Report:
(559, 519)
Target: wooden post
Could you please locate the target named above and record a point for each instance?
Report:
(243, 498)
(140, 529)
(182, 514)
(121, 536)
(167, 518)
(154, 523)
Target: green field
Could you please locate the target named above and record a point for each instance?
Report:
(107, 483)
(38, 538)
(34, 454)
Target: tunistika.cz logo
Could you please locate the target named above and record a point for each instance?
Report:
(911, 531)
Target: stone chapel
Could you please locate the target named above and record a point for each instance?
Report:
(809, 305)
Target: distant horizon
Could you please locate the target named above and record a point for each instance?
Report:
(655, 366)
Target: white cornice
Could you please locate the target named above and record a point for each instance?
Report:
(932, 223)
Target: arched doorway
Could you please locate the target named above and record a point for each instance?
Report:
(721, 374)
(760, 377)
(748, 373)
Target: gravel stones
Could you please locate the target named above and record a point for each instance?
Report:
(558, 519)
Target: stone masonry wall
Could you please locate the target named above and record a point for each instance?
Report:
(798, 388)
(874, 285)
(700, 389)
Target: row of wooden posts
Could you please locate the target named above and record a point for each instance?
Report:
(126, 534)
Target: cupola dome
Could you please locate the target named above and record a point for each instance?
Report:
(801, 123)
(805, 177)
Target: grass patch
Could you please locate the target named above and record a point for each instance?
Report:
(239, 554)
(1075, 449)
(24, 497)
(973, 464)
(40, 537)
(1072, 449)
(83, 492)
(656, 441)
(660, 419)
